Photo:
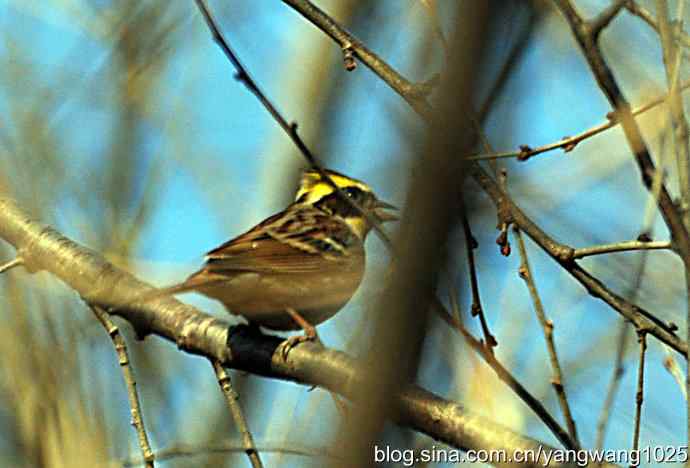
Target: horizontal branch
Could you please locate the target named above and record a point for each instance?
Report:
(189, 451)
(625, 246)
(568, 144)
(101, 283)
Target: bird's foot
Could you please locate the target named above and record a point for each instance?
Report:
(293, 341)
(309, 333)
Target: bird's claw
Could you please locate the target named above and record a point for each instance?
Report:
(293, 341)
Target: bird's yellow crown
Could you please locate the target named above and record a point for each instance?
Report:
(313, 187)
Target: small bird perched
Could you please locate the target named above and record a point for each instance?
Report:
(298, 267)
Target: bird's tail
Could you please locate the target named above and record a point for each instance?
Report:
(192, 283)
(157, 293)
(179, 288)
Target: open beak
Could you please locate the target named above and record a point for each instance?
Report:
(382, 211)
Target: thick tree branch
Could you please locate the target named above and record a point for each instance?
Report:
(99, 282)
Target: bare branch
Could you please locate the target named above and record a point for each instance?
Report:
(231, 397)
(563, 254)
(672, 58)
(639, 396)
(608, 85)
(476, 308)
(18, 261)
(646, 233)
(673, 216)
(413, 94)
(598, 24)
(289, 128)
(636, 9)
(569, 143)
(134, 406)
(557, 380)
(671, 54)
(502, 373)
(187, 451)
(624, 246)
(618, 371)
(100, 282)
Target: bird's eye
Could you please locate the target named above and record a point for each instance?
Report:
(353, 192)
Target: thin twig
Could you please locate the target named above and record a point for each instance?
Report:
(471, 244)
(487, 352)
(671, 55)
(128, 374)
(476, 308)
(646, 16)
(456, 324)
(502, 373)
(414, 94)
(614, 383)
(432, 9)
(610, 88)
(232, 398)
(624, 246)
(674, 217)
(186, 451)
(562, 254)
(290, 129)
(517, 51)
(557, 380)
(639, 396)
(18, 261)
(604, 18)
(569, 143)
(618, 369)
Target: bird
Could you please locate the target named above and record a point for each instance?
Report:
(299, 267)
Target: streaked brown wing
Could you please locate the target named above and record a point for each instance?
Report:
(255, 233)
(302, 239)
